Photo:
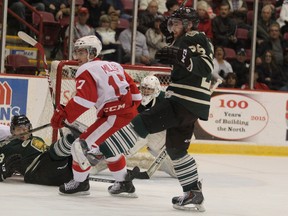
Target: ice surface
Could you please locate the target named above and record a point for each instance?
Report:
(233, 185)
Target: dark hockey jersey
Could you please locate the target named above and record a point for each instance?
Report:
(192, 88)
(28, 149)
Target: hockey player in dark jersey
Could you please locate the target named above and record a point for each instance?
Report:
(33, 158)
(187, 100)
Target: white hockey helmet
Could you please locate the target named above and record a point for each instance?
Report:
(150, 88)
(91, 43)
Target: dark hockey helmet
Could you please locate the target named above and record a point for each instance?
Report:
(19, 121)
(187, 14)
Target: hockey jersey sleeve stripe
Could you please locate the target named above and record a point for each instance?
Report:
(191, 99)
(83, 102)
(208, 62)
(190, 88)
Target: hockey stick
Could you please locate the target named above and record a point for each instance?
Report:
(163, 154)
(153, 167)
(131, 175)
(183, 3)
(10, 138)
(93, 178)
(28, 39)
(219, 81)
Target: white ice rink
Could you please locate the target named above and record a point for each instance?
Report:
(232, 185)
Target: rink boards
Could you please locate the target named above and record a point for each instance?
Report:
(240, 121)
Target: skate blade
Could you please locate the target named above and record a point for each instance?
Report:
(82, 193)
(127, 195)
(195, 208)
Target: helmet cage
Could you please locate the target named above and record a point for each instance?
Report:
(151, 83)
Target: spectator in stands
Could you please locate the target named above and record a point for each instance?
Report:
(270, 73)
(205, 24)
(283, 18)
(143, 5)
(171, 5)
(111, 49)
(118, 6)
(141, 53)
(81, 28)
(230, 81)
(240, 19)
(154, 37)
(238, 6)
(19, 9)
(96, 9)
(66, 11)
(221, 66)
(276, 44)
(257, 84)
(146, 18)
(224, 28)
(264, 23)
(53, 6)
(240, 67)
(271, 4)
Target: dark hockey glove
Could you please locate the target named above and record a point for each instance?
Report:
(169, 35)
(174, 55)
(11, 165)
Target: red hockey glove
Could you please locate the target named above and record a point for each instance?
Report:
(57, 120)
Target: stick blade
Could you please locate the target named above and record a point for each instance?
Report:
(28, 39)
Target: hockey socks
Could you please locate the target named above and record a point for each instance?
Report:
(186, 171)
(120, 142)
(62, 147)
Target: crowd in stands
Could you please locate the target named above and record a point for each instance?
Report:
(227, 23)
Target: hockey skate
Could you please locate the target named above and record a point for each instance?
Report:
(190, 201)
(75, 188)
(124, 188)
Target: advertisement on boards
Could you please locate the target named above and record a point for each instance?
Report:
(13, 98)
(247, 117)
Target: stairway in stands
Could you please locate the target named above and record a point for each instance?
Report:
(14, 45)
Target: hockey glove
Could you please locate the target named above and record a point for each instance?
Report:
(93, 155)
(11, 165)
(57, 120)
(174, 55)
(169, 35)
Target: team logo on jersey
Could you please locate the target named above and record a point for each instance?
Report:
(39, 144)
(13, 98)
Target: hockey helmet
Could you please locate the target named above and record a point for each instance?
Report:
(150, 88)
(91, 43)
(20, 121)
(185, 14)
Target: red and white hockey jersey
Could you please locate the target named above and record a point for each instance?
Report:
(106, 86)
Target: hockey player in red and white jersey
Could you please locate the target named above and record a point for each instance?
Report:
(116, 97)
